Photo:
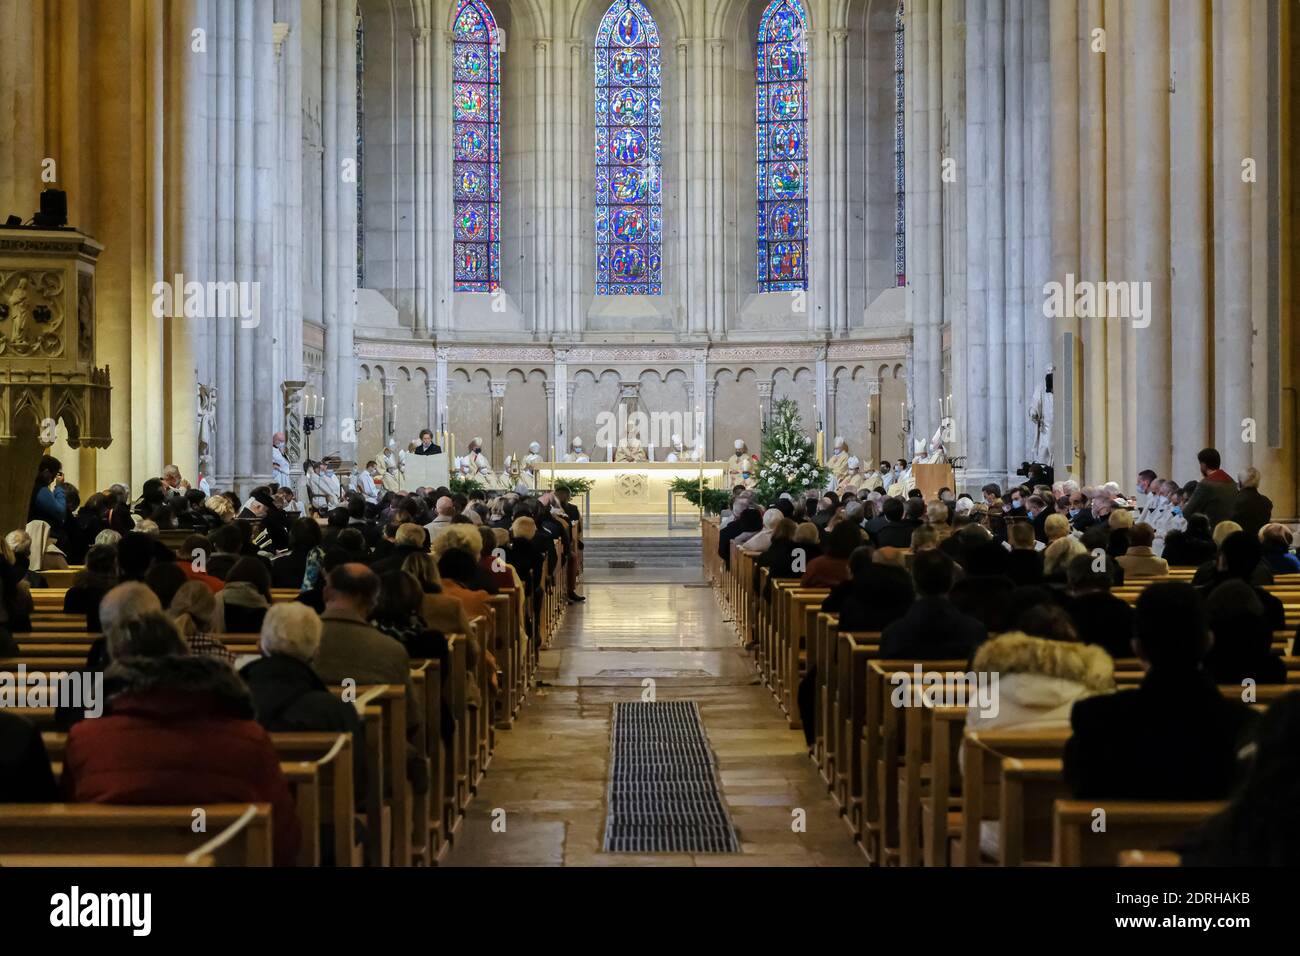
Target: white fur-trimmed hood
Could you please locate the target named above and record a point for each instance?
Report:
(1018, 653)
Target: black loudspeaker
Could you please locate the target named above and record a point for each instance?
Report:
(1048, 385)
(54, 209)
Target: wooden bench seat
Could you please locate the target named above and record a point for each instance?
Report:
(236, 835)
(1078, 840)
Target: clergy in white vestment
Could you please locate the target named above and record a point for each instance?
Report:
(740, 467)
(279, 463)
(393, 467)
(363, 483)
(577, 455)
(322, 494)
(476, 464)
(838, 462)
(532, 461)
(678, 452)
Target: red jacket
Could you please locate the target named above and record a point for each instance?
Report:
(179, 731)
(214, 584)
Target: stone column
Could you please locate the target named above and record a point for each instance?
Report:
(716, 260)
(979, 210)
(541, 186)
(1015, 360)
(1067, 122)
(700, 194)
(995, 201)
(710, 393)
(685, 188)
(831, 426)
(1234, 109)
(576, 176)
(431, 408)
(822, 403)
(552, 421)
(1148, 236)
(874, 419)
(1092, 246)
(422, 135)
(562, 391)
(569, 389)
(440, 388)
(436, 271)
(497, 388)
(1189, 225)
(388, 411)
(765, 402)
(843, 265)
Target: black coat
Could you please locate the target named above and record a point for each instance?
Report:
(1103, 619)
(877, 599)
(433, 449)
(288, 696)
(25, 774)
(1175, 737)
(84, 599)
(1252, 510)
(932, 629)
(1025, 566)
(288, 569)
(896, 534)
(1184, 551)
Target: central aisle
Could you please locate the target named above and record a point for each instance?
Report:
(550, 772)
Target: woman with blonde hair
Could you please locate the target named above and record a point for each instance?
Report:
(441, 612)
(221, 507)
(1057, 557)
(193, 610)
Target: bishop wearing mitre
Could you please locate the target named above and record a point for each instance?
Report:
(838, 463)
(533, 460)
(740, 467)
(630, 448)
(475, 464)
(578, 455)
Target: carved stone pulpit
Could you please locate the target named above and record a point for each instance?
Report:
(47, 350)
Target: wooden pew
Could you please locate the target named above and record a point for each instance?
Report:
(1129, 825)
(114, 861)
(986, 757)
(237, 834)
(879, 812)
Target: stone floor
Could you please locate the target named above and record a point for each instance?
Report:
(550, 771)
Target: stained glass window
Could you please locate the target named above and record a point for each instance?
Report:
(781, 121)
(629, 188)
(476, 133)
(900, 240)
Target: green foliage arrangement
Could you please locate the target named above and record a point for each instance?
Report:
(789, 460)
(576, 486)
(711, 501)
(463, 485)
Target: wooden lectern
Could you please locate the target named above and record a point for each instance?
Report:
(930, 478)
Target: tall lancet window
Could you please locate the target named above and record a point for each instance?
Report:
(476, 133)
(781, 121)
(900, 204)
(629, 188)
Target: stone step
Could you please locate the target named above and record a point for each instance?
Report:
(642, 552)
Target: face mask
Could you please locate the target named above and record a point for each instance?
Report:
(279, 444)
(1073, 512)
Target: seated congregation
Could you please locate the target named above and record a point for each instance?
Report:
(327, 688)
(975, 680)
